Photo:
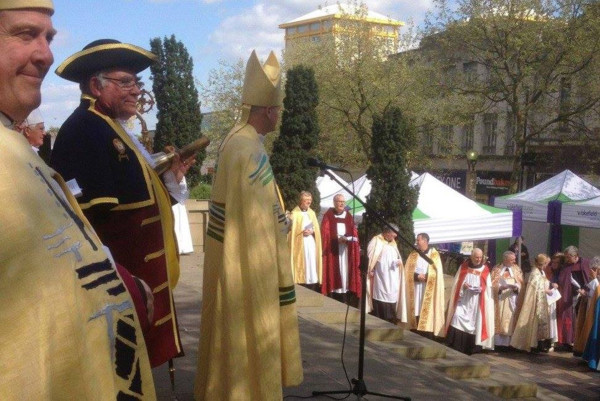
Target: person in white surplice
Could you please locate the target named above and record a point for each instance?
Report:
(385, 270)
(470, 318)
(305, 244)
(507, 282)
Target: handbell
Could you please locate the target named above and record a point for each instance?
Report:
(163, 161)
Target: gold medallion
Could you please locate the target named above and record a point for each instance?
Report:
(120, 146)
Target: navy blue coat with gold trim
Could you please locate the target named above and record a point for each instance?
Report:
(136, 222)
(108, 171)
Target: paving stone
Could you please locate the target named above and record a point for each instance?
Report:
(388, 367)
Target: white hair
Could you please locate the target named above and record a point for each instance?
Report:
(572, 250)
(507, 254)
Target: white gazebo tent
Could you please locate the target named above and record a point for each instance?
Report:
(582, 219)
(535, 205)
(362, 186)
(448, 216)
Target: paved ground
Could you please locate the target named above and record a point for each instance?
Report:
(385, 372)
(559, 372)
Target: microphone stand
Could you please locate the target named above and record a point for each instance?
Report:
(360, 388)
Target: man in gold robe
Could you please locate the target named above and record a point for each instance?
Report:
(249, 341)
(423, 306)
(532, 326)
(68, 326)
(507, 281)
(305, 244)
(585, 317)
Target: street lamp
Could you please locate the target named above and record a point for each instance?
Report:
(472, 159)
(471, 174)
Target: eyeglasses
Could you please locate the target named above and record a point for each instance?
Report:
(126, 83)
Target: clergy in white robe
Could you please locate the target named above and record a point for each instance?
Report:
(470, 317)
(507, 281)
(550, 273)
(305, 244)
(385, 274)
(423, 307)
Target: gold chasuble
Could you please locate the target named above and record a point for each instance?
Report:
(504, 317)
(68, 327)
(533, 321)
(431, 318)
(249, 341)
(296, 241)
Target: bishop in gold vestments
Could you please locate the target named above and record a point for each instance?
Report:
(249, 341)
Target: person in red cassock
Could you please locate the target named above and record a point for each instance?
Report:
(341, 254)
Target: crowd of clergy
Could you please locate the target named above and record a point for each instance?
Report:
(550, 305)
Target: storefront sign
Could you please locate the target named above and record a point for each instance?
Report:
(488, 182)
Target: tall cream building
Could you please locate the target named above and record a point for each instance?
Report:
(332, 22)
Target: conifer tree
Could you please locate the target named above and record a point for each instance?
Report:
(298, 135)
(393, 140)
(176, 97)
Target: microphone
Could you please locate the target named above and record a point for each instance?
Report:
(314, 162)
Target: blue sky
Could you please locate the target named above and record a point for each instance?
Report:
(211, 30)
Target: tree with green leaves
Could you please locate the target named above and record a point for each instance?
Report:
(359, 76)
(222, 94)
(179, 116)
(298, 135)
(392, 143)
(534, 61)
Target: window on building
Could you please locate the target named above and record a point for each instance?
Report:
(302, 28)
(326, 25)
(468, 136)
(470, 71)
(449, 74)
(315, 26)
(565, 102)
(315, 39)
(487, 74)
(490, 128)
(428, 143)
(446, 140)
(509, 148)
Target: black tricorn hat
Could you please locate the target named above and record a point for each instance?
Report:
(103, 54)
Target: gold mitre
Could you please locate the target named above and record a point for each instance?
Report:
(21, 4)
(262, 83)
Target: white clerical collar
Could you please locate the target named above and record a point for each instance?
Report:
(341, 215)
